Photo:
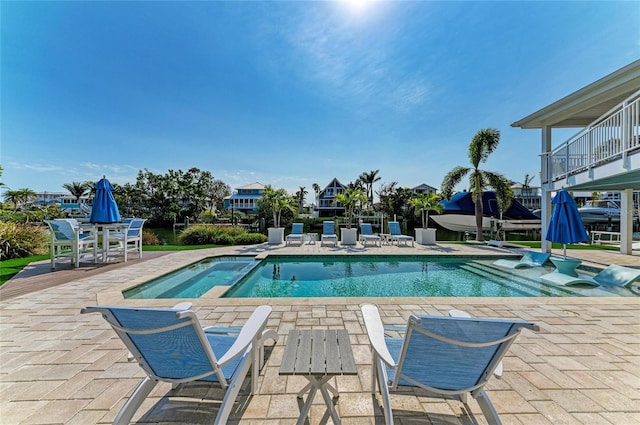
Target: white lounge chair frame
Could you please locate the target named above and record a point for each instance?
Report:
(328, 233)
(431, 360)
(397, 236)
(296, 235)
(246, 351)
(366, 235)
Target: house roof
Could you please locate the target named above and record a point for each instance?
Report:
(424, 186)
(331, 184)
(251, 186)
(586, 105)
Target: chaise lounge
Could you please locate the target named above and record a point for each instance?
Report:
(396, 234)
(296, 234)
(366, 235)
(529, 259)
(328, 233)
(611, 276)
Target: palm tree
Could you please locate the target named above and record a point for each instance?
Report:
(350, 200)
(77, 189)
(368, 179)
(526, 188)
(425, 202)
(2, 184)
(26, 195)
(300, 197)
(276, 200)
(12, 196)
(482, 145)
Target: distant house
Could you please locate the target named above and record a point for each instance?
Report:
(424, 189)
(68, 203)
(529, 196)
(245, 198)
(325, 206)
(51, 198)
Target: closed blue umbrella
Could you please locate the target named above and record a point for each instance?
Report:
(566, 224)
(105, 209)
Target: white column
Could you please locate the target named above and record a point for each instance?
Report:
(546, 187)
(626, 221)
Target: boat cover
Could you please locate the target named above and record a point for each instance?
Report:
(462, 203)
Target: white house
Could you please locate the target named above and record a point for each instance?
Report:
(605, 153)
(245, 198)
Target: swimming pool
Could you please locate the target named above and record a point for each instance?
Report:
(196, 279)
(360, 276)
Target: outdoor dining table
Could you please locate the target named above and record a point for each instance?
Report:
(318, 355)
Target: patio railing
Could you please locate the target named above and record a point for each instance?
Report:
(613, 136)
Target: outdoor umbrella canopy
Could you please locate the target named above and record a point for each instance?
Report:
(566, 224)
(105, 209)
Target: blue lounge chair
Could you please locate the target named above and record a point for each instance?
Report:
(611, 276)
(529, 259)
(448, 356)
(68, 240)
(396, 234)
(461, 313)
(296, 234)
(366, 235)
(328, 233)
(171, 346)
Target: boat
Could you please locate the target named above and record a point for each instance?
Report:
(459, 214)
(600, 212)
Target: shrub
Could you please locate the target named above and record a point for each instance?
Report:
(250, 239)
(149, 238)
(34, 214)
(207, 216)
(218, 235)
(22, 240)
(223, 238)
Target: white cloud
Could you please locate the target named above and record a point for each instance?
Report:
(39, 168)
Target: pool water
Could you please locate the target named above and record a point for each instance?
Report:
(358, 276)
(196, 279)
(406, 276)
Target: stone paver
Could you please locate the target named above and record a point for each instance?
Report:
(57, 366)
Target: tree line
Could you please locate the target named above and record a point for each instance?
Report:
(178, 195)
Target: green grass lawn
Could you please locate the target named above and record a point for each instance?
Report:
(10, 268)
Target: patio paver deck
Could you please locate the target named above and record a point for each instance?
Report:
(60, 367)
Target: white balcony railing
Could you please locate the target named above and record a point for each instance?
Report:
(613, 136)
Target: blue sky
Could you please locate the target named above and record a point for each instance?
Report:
(290, 93)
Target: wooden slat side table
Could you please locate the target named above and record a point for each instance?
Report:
(318, 355)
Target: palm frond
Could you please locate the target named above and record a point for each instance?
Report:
(483, 144)
(452, 179)
(503, 190)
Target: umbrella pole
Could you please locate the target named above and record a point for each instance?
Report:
(564, 250)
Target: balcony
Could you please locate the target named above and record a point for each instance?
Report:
(608, 147)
